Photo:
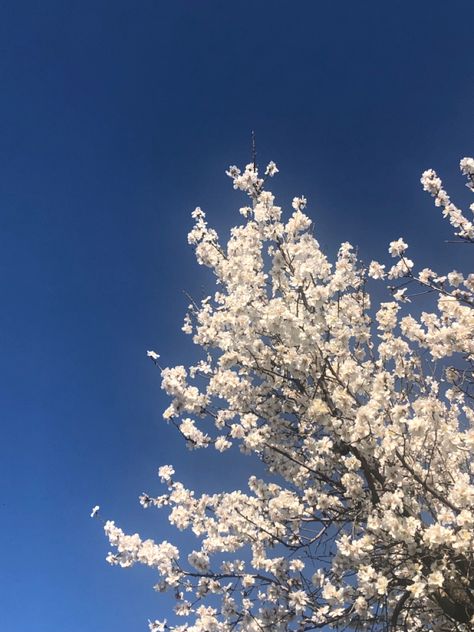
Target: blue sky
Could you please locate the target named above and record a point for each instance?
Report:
(116, 120)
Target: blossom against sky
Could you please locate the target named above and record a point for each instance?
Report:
(363, 431)
(117, 119)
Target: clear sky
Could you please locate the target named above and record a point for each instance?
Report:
(116, 119)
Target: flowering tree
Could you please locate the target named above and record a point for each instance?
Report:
(363, 420)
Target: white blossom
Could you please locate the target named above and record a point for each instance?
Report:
(376, 270)
(166, 472)
(271, 169)
(157, 626)
(397, 247)
(299, 203)
(455, 278)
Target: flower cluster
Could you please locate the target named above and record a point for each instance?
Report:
(432, 183)
(363, 419)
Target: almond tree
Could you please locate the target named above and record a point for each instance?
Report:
(362, 416)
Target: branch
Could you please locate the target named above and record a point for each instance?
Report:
(425, 485)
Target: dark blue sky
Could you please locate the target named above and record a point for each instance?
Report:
(116, 119)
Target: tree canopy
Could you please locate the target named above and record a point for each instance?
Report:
(361, 414)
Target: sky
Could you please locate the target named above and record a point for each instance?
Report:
(116, 120)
